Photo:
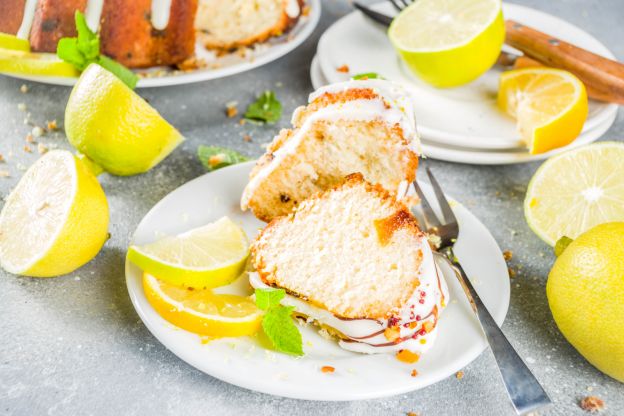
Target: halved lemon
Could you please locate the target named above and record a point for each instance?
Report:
(8, 41)
(549, 105)
(55, 220)
(449, 43)
(201, 311)
(575, 191)
(27, 63)
(205, 257)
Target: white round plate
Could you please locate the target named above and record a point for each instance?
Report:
(436, 150)
(245, 363)
(465, 116)
(222, 66)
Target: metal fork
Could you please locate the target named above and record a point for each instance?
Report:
(380, 17)
(524, 390)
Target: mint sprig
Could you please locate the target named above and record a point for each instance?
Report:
(215, 157)
(367, 75)
(277, 322)
(84, 50)
(267, 108)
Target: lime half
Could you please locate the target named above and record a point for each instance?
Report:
(575, 191)
(209, 256)
(449, 43)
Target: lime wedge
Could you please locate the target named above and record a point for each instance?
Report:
(449, 43)
(209, 256)
(575, 191)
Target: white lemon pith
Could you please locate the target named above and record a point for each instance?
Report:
(55, 220)
(449, 43)
(201, 311)
(575, 191)
(209, 256)
(116, 128)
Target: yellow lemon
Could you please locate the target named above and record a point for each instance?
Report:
(8, 41)
(201, 311)
(114, 127)
(449, 43)
(209, 256)
(17, 61)
(549, 105)
(575, 191)
(585, 292)
(55, 220)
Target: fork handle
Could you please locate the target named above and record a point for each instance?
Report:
(524, 390)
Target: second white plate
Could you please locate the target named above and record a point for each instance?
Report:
(246, 363)
(466, 116)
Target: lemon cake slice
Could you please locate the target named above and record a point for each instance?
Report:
(234, 23)
(353, 260)
(359, 126)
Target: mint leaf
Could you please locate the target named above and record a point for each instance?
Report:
(88, 42)
(367, 75)
(266, 298)
(67, 50)
(279, 327)
(266, 109)
(124, 74)
(214, 157)
(85, 49)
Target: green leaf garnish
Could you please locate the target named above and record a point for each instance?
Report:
(367, 75)
(85, 49)
(266, 109)
(215, 157)
(266, 298)
(277, 322)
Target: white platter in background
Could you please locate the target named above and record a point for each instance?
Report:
(229, 64)
(465, 116)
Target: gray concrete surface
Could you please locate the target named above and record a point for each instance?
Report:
(75, 346)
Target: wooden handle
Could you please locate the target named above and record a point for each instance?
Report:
(604, 78)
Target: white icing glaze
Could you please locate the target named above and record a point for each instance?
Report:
(394, 107)
(292, 9)
(360, 330)
(161, 10)
(27, 21)
(93, 13)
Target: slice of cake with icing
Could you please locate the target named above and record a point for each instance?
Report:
(353, 260)
(364, 126)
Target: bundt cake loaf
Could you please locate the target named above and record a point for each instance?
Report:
(364, 126)
(354, 260)
(137, 33)
(234, 23)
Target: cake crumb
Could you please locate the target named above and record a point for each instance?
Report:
(4, 174)
(411, 414)
(414, 373)
(230, 109)
(459, 375)
(52, 125)
(42, 148)
(22, 107)
(1, 158)
(327, 369)
(512, 272)
(507, 255)
(343, 68)
(27, 149)
(24, 89)
(592, 404)
(30, 138)
(37, 131)
(247, 138)
(242, 121)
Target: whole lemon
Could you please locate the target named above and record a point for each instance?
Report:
(585, 292)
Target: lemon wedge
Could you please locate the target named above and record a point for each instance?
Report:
(114, 127)
(27, 63)
(575, 191)
(549, 105)
(55, 220)
(201, 311)
(449, 43)
(205, 257)
(8, 41)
